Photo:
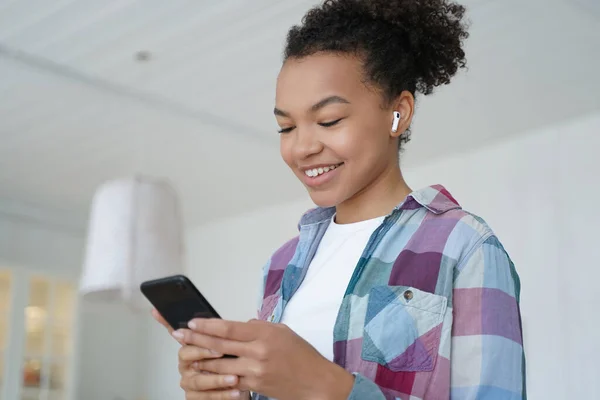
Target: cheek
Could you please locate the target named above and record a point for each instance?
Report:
(285, 149)
(357, 145)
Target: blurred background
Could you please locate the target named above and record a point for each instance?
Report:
(95, 90)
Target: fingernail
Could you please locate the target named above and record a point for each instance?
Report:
(178, 334)
(214, 353)
(230, 380)
(235, 394)
(192, 325)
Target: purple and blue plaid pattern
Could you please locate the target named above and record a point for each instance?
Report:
(431, 311)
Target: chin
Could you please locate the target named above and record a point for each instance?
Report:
(324, 199)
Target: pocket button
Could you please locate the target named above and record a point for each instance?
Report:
(408, 295)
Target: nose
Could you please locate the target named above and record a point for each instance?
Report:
(306, 144)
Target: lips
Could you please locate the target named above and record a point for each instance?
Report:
(320, 170)
(319, 176)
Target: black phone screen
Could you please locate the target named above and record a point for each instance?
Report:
(177, 300)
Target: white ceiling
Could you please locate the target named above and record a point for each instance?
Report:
(76, 108)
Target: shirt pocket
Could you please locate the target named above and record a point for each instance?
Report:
(403, 327)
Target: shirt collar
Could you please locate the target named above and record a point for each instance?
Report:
(434, 198)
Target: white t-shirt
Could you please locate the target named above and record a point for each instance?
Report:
(313, 309)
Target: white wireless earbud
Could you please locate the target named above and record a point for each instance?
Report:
(396, 122)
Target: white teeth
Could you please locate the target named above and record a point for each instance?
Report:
(319, 171)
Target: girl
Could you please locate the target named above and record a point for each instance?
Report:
(387, 293)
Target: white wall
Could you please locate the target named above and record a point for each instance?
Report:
(578, 272)
(537, 191)
(29, 243)
(111, 355)
(107, 365)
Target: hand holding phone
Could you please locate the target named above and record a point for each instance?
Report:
(198, 382)
(177, 301)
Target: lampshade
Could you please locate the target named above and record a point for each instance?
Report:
(135, 234)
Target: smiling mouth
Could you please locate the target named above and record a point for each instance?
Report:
(315, 172)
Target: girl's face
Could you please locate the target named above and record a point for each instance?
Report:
(336, 134)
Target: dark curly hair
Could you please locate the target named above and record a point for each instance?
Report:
(413, 45)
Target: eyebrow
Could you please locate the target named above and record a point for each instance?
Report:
(317, 106)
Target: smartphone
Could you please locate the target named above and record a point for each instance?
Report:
(177, 300)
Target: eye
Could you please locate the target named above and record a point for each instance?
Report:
(286, 130)
(331, 123)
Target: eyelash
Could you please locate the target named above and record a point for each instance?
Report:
(323, 124)
(329, 124)
(285, 130)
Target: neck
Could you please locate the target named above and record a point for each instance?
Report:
(377, 199)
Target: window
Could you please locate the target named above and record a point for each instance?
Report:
(48, 336)
(5, 293)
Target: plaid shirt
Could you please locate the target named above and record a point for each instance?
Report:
(431, 310)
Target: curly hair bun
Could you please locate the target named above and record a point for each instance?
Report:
(411, 45)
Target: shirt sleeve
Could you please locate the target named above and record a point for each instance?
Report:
(261, 290)
(487, 357)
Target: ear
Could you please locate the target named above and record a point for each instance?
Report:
(405, 105)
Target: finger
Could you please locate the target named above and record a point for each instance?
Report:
(232, 330)
(164, 323)
(205, 382)
(188, 369)
(195, 366)
(227, 366)
(222, 346)
(193, 353)
(246, 384)
(216, 395)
